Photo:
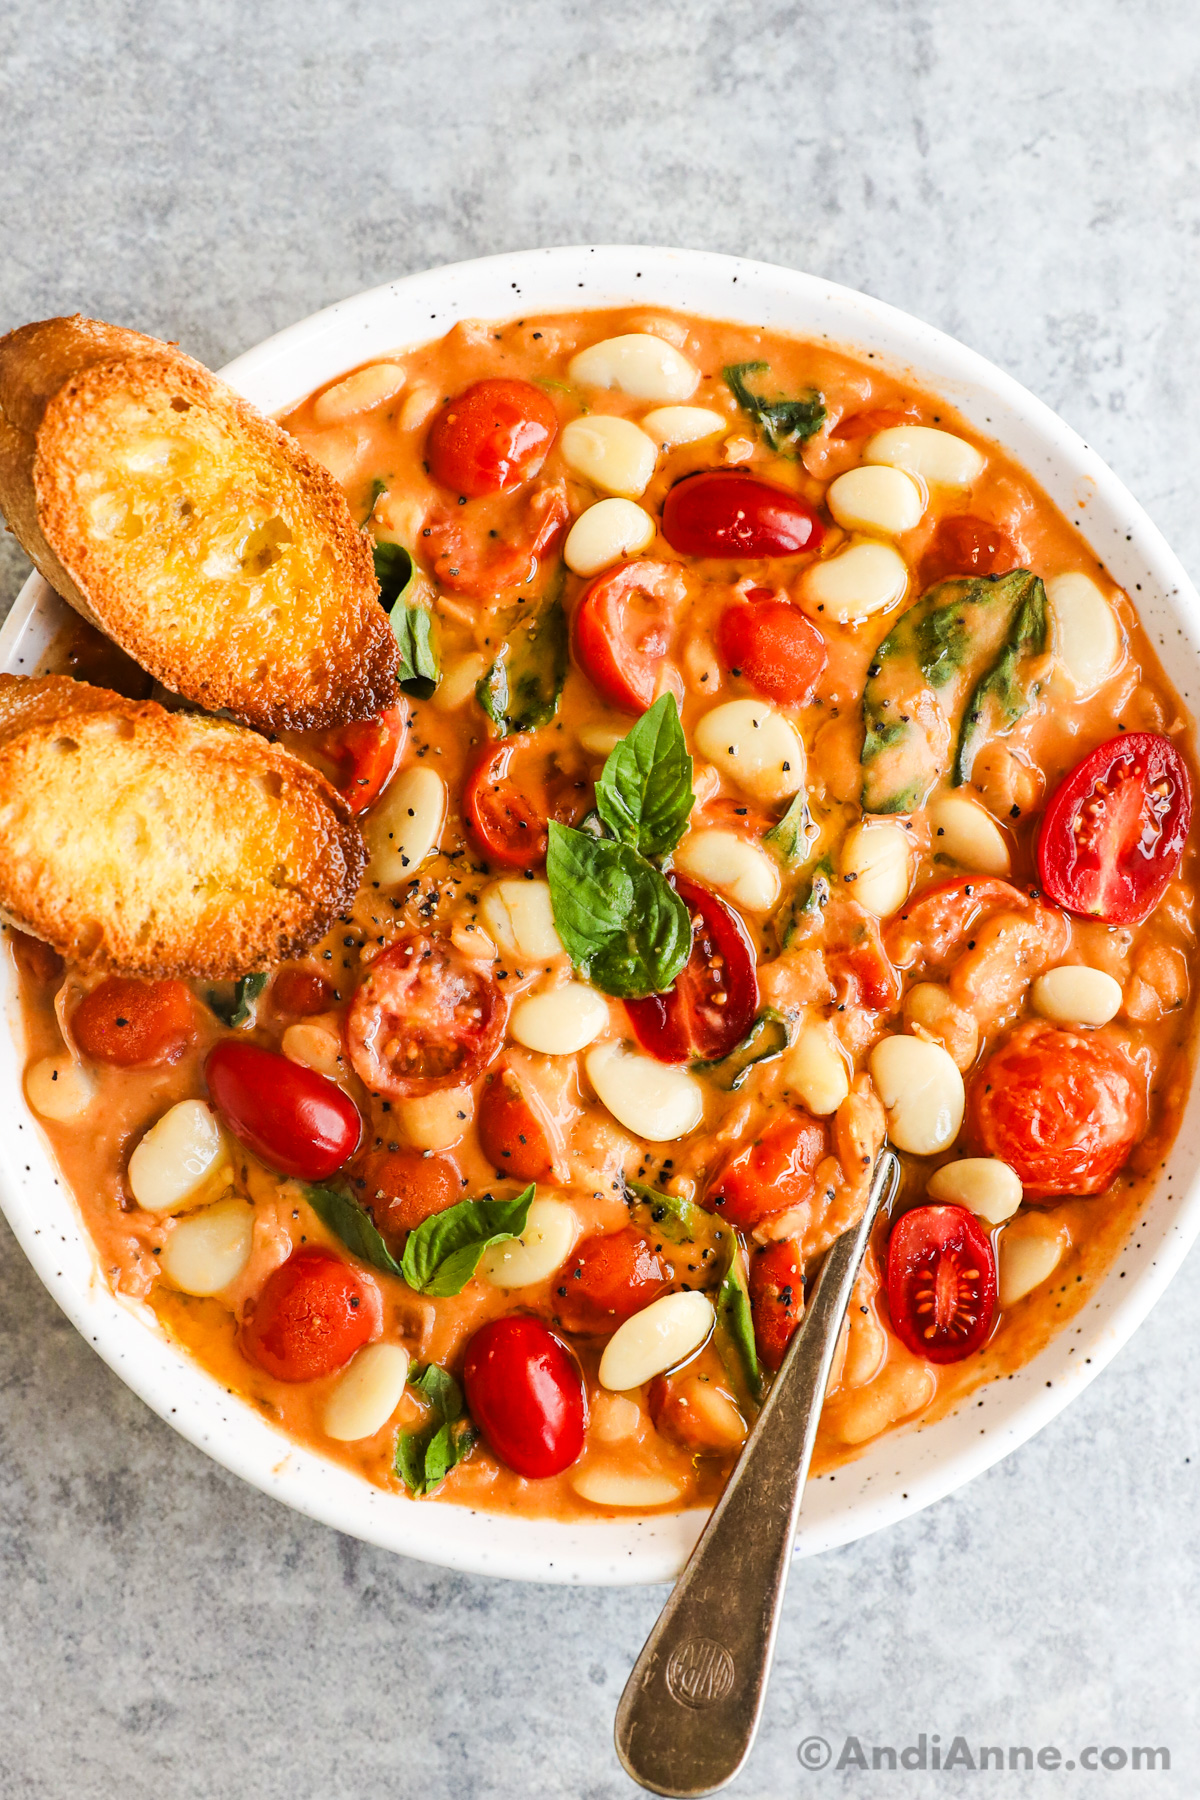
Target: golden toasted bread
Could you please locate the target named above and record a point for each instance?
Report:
(190, 528)
(153, 843)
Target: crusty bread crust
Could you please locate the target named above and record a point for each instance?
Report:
(143, 842)
(197, 533)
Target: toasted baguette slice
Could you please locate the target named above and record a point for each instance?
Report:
(153, 843)
(190, 528)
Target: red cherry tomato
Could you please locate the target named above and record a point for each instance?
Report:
(310, 1317)
(606, 1281)
(776, 1298)
(1065, 1108)
(301, 993)
(41, 962)
(935, 926)
(712, 1004)
(1114, 832)
(866, 424)
(483, 558)
(855, 960)
(491, 437)
(773, 1174)
(964, 545)
(423, 1018)
(622, 631)
(525, 1392)
(941, 1282)
(774, 647)
(128, 1023)
(296, 1121)
(402, 1188)
(514, 1132)
(365, 755)
(721, 512)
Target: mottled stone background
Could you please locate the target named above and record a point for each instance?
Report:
(1023, 175)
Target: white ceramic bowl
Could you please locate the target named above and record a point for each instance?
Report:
(903, 1472)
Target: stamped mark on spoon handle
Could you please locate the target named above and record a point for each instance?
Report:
(690, 1710)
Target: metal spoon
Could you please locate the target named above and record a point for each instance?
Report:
(688, 1717)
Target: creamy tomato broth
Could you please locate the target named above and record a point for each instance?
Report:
(645, 995)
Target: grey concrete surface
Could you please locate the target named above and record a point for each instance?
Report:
(1023, 175)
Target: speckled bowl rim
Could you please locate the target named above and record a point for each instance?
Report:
(903, 1472)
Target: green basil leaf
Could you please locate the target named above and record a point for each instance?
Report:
(424, 1458)
(1004, 694)
(784, 423)
(395, 571)
(418, 671)
(675, 1219)
(350, 1222)
(521, 690)
(442, 1254)
(644, 794)
(239, 1007)
(440, 1389)
(768, 1037)
(409, 1461)
(809, 903)
(737, 1324)
(621, 923)
(791, 838)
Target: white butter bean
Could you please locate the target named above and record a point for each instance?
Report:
(654, 1100)
(983, 1184)
(673, 425)
(876, 498)
(922, 1091)
(864, 578)
(877, 866)
(815, 1069)
(899, 1390)
(365, 388)
(660, 1337)
(610, 452)
(459, 682)
(406, 825)
(560, 1021)
(180, 1161)
(550, 1234)
(936, 457)
(1076, 995)
(61, 1089)
(210, 1248)
(368, 1393)
(434, 1121)
(967, 833)
(315, 1047)
(614, 1418)
(752, 744)
(733, 865)
(1026, 1260)
(1088, 640)
(520, 918)
(605, 1485)
(605, 533)
(637, 364)
(601, 736)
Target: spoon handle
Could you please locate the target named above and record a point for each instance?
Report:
(687, 1719)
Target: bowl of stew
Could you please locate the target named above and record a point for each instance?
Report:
(793, 749)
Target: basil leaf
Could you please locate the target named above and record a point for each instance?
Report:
(395, 570)
(442, 1254)
(342, 1214)
(737, 1324)
(440, 1389)
(644, 794)
(424, 1458)
(621, 923)
(810, 902)
(677, 1220)
(768, 1037)
(784, 423)
(240, 1008)
(1005, 692)
(790, 838)
(522, 688)
(418, 671)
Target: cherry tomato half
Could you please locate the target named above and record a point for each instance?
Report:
(712, 1004)
(721, 512)
(402, 1188)
(622, 631)
(310, 1317)
(514, 1132)
(774, 647)
(482, 560)
(132, 1023)
(491, 437)
(1114, 832)
(606, 1280)
(525, 1392)
(508, 803)
(296, 1121)
(941, 1282)
(776, 1298)
(1064, 1108)
(423, 1018)
(365, 755)
(965, 545)
(301, 992)
(772, 1174)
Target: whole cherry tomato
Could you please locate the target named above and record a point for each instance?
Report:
(1064, 1108)
(423, 1018)
(771, 644)
(403, 1188)
(296, 1121)
(941, 1282)
(491, 437)
(132, 1023)
(1114, 832)
(721, 512)
(606, 1280)
(773, 1174)
(525, 1392)
(301, 992)
(310, 1317)
(514, 1132)
(711, 1006)
(365, 755)
(622, 629)
(776, 1298)
(965, 545)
